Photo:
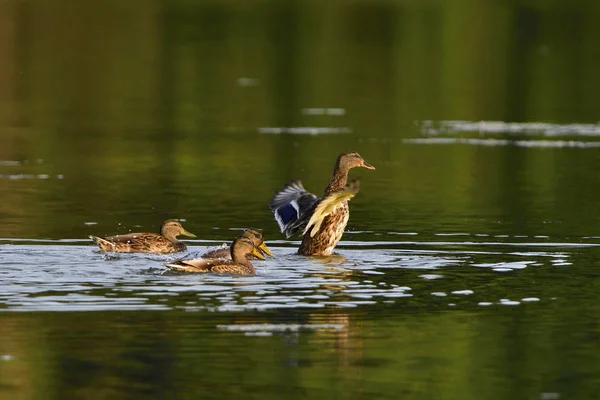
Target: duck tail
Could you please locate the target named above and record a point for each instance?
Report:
(194, 265)
(103, 243)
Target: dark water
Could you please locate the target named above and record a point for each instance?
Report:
(468, 269)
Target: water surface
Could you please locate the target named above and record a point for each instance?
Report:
(469, 263)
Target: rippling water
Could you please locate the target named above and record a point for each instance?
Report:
(466, 269)
(60, 277)
(382, 314)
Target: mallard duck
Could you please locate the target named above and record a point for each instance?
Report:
(322, 220)
(164, 243)
(255, 236)
(241, 248)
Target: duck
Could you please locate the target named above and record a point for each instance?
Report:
(254, 235)
(321, 220)
(164, 243)
(241, 248)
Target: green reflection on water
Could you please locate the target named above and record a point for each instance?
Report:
(151, 110)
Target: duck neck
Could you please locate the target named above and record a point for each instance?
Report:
(338, 180)
(243, 260)
(171, 237)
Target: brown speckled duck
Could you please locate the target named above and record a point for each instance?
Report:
(241, 248)
(322, 220)
(253, 235)
(164, 243)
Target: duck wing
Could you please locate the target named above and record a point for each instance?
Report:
(221, 252)
(130, 238)
(293, 207)
(131, 242)
(328, 205)
(198, 264)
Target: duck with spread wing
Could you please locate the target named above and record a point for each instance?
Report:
(321, 220)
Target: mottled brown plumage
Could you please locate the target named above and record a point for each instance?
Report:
(293, 208)
(239, 264)
(163, 243)
(255, 236)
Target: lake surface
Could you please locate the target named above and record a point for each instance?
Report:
(467, 269)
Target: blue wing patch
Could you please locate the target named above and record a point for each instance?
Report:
(287, 214)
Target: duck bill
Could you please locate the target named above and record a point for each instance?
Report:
(256, 252)
(263, 248)
(367, 165)
(186, 233)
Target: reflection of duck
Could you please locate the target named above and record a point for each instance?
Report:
(241, 248)
(164, 243)
(322, 220)
(333, 260)
(253, 235)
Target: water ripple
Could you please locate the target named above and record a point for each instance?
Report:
(60, 277)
